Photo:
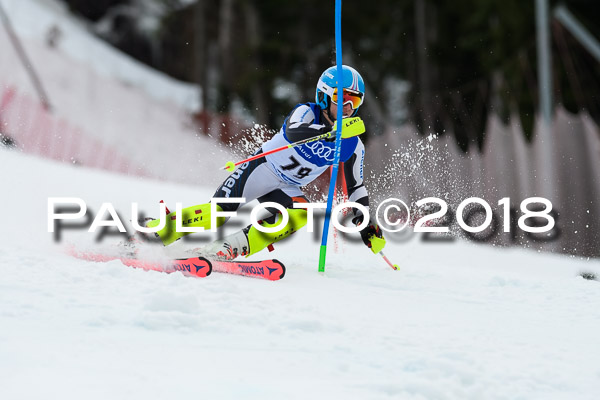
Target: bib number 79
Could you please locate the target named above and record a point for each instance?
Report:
(302, 171)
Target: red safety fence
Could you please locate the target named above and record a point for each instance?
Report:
(28, 126)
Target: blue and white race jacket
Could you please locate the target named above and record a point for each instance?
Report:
(302, 164)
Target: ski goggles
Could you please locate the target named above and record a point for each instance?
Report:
(349, 96)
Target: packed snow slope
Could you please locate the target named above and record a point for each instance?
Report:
(458, 321)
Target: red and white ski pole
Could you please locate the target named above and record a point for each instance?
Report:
(393, 266)
(230, 165)
(352, 127)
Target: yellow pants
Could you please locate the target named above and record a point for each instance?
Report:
(191, 217)
(259, 240)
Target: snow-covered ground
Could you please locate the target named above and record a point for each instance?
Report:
(458, 321)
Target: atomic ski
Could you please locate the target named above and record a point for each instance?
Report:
(195, 266)
(272, 270)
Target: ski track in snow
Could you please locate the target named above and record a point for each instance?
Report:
(457, 321)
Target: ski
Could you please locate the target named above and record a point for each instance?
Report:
(272, 270)
(194, 266)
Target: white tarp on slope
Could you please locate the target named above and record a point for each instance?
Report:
(33, 20)
(102, 113)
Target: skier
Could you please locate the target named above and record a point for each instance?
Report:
(278, 177)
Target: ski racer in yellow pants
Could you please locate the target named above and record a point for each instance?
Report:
(278, 177)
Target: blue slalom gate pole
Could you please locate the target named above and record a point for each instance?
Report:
(338, 135)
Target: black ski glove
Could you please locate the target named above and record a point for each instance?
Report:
(331, 137)
(368, 232)
(371, 235)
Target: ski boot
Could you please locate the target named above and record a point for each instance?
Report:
(226, 249)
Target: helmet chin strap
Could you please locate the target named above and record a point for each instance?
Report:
(327, 113)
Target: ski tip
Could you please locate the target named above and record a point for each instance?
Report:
(281, 268)
(208, 266)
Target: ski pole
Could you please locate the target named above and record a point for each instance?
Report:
(393, 266)
(352, 127)
(230, 165)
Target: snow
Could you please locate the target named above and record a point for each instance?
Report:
(458, 321)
